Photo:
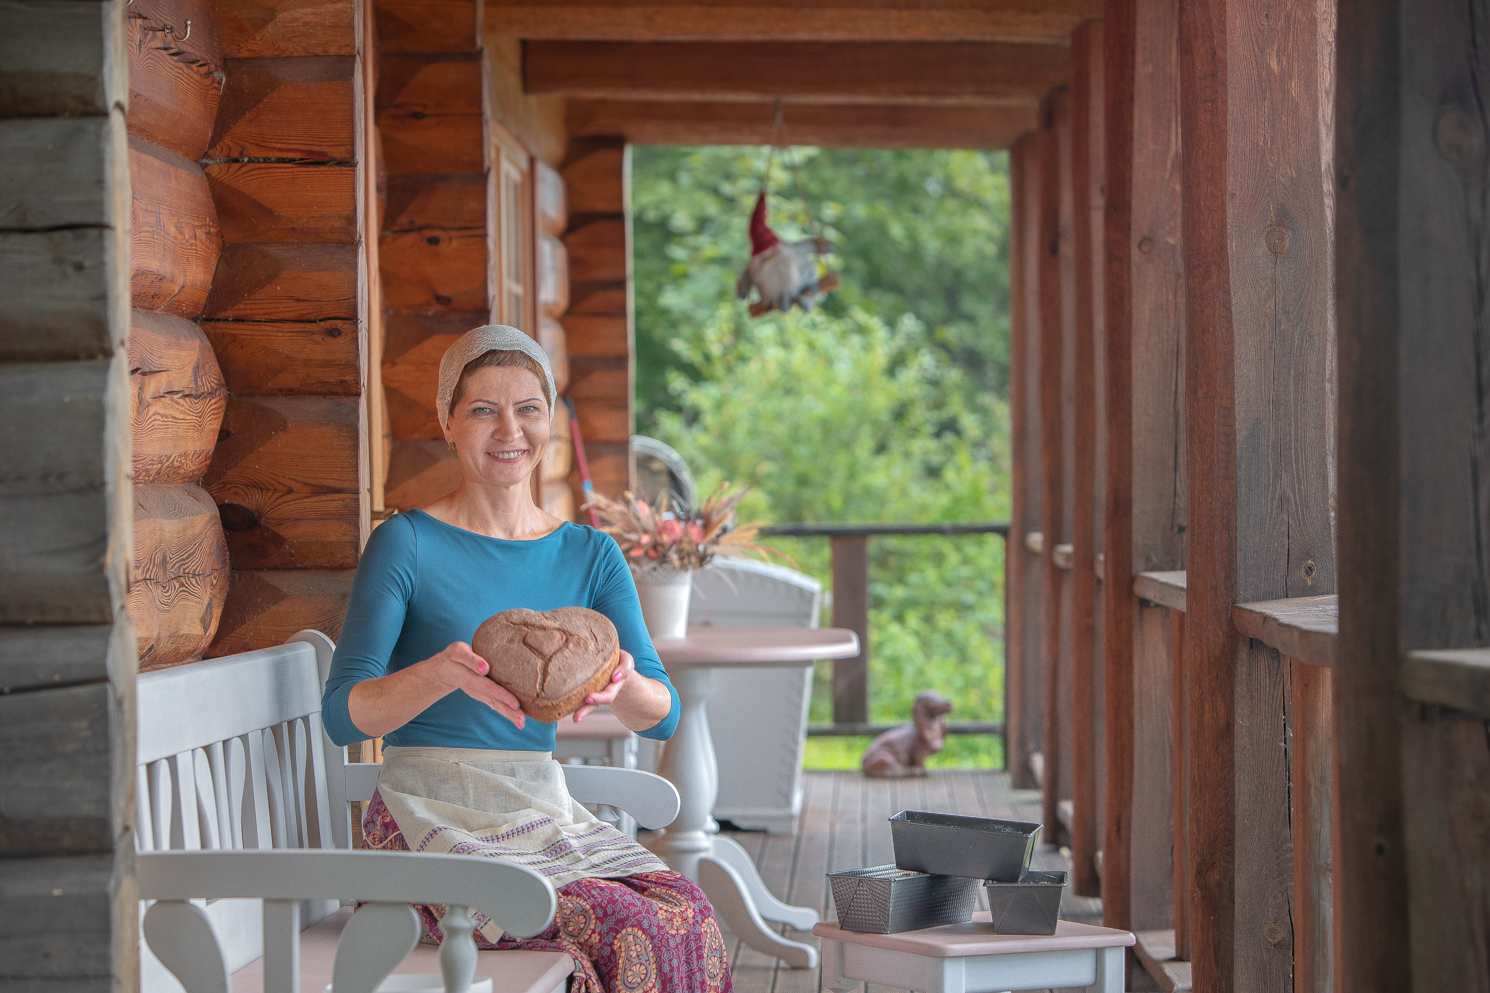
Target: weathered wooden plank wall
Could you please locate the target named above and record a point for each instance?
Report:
(1086, 187)
(598, 323)
(435, 240)
(1023, 682)
(1257, 235)
(67, 645)
(1412, 869)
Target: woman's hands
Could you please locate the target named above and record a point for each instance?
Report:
(379, 706)
(637, 701)
(464, 670)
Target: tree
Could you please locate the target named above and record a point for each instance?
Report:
(917, 232)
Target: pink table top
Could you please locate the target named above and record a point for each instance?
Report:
(976, 937)
(761, 646)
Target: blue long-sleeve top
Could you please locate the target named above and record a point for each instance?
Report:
(422, 584)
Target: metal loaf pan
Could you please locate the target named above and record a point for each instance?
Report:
(1030, 906)
(885, 900)
(954, 845)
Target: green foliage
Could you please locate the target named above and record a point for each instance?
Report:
(884, 405)
(916, 232)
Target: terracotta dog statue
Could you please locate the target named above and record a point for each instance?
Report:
(903, 751)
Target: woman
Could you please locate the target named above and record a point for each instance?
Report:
(464, 770)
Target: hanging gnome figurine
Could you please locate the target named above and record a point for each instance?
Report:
(782, 272)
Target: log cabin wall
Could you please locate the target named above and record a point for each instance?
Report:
(284, 315)
(529, 138)
(67, 644)
(470, 232)
(598, 323)
(552, 210)
(435, 242)
(179, 582)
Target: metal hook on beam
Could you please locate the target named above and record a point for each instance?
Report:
(172, 31)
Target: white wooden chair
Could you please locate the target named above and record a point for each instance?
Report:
(245, 834)
(600, 739)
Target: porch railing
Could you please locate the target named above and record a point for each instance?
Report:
(1302, 630)
(850, 549)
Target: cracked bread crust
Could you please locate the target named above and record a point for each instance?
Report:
(551, 660)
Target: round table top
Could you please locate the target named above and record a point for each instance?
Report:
(760, 646)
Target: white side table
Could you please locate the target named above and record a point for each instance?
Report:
(691, 845)
(970, 958)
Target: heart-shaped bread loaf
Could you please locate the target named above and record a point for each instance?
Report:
(549, 659)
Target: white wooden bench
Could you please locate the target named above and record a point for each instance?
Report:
(245, 836)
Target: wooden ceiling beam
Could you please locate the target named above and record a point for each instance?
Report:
(818, 72)
(667, 122)
(731, 20)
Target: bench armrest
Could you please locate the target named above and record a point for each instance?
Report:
(517, 899)
(649, 798)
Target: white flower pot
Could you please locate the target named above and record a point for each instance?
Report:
(664, 593)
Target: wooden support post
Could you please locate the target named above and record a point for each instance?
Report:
(1412, 877)
(1257, 277)
(1146, 493)
(1086, 189)
(1056, 332)
(1023, 679)
(851, 610)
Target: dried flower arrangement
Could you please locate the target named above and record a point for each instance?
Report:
(660, 536)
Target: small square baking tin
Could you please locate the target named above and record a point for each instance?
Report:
(883, 899)
(1030, 906)
(956, 845)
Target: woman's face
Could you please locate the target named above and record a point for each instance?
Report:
(500, 427)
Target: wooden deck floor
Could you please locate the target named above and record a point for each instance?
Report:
(844, 826)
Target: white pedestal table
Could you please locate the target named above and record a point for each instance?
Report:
(692, 845)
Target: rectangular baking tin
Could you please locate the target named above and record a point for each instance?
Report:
(885, 900)
(955, 845)
(1030, 906)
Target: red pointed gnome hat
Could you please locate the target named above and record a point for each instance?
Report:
(761, 235)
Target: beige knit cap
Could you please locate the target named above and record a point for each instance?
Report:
(476, 343)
